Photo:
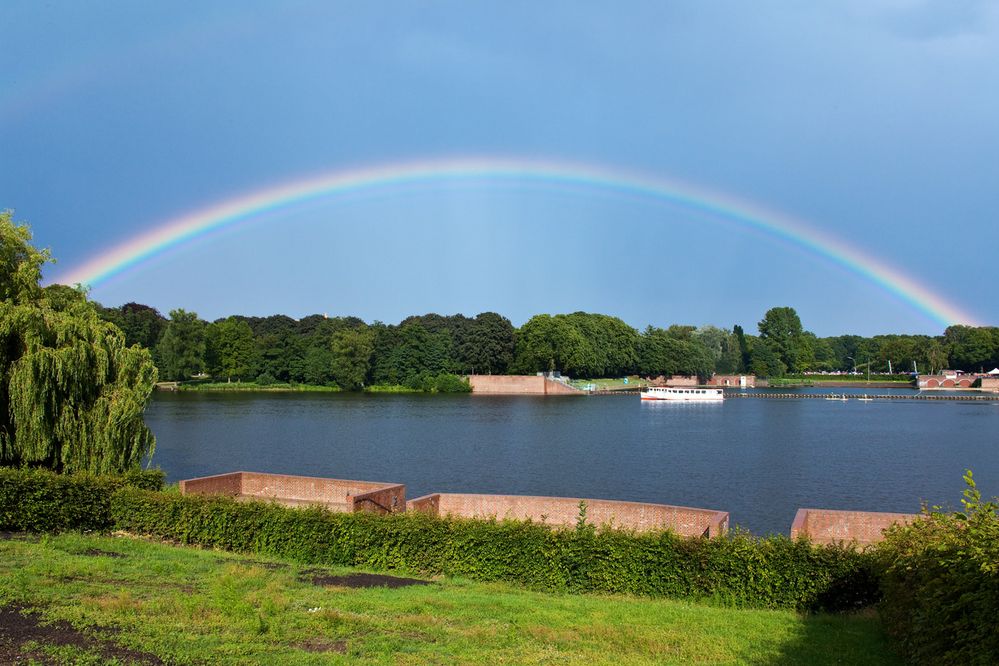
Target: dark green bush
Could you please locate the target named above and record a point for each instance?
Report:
(37, 500)
(940, 577)
(739, 570)
(447, 383)
(442, 383)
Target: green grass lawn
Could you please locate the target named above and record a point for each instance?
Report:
(611, 383)
(184, 605)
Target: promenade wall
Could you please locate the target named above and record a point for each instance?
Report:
(518, 385)
(826, 526)
(821, 526)
(335, 494)
(565, 511)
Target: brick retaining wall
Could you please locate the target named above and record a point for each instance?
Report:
(825, 526)
(518, 385)
(335, 494)
(640, 516)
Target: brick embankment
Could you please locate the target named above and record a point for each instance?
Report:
(826, 526)
(565, 511)
(335, 494)
(519, 385)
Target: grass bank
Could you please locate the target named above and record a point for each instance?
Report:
(612, 383)
(253, 387)
(139, 601)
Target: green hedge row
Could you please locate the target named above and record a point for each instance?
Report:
(738, 570)
(940, 577)
(37, 500)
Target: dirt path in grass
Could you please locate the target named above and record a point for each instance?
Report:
(19, 626)
(321, 578)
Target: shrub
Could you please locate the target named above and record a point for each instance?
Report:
(940, 577)
(37, 500)
(265, 379)
(739, 570)
(446, 383)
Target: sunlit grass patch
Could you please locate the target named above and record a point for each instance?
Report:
(196, 606)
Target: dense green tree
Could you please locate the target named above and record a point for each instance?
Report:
(230, 351)
(730, 360)
(180, 353)
(141, 324)
(404, 352)
(487, 345)
(351, 353)
(745, 358)
(765, 362)
(971, 348)
(72, 393)
(781, 331)
(661, 353)
(546, 343)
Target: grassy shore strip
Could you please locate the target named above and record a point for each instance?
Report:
(612, 383)
(391, 388)
(250, 386)
(188, 606)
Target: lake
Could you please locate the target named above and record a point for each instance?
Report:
(758, 459)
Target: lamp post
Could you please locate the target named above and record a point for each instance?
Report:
(854, 364)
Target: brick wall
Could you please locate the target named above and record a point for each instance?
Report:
(220, 484)
(518, 385)
(565, 511)
(390, 499)
(732, 380)
(989, 383)
(828, 526)
(336, 494)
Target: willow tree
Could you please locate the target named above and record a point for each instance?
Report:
(72, 394)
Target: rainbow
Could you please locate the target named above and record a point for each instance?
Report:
(177, 231)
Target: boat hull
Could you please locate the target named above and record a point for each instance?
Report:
(669, 394)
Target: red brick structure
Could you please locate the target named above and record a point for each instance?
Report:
(564, 511)
(989, 383)
(674, 380)
(947, 381)
(825, 526)
(334, 494)
(733, 381)
(519, 385)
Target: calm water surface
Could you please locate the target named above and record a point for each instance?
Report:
(758, 459)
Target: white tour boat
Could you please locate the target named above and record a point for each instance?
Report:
(678, 394)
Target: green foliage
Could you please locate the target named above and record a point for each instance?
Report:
(781, 333)
(774, 572)
(180, 353)
(940, 577)
(72, 394)
(579, 344)
(673, 352)
(351, 356)
(265, 379)
(229, 349)
(37, 500)
(141, 324)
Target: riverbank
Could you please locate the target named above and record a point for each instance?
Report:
(88, 599)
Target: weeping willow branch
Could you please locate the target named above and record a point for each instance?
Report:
(72, 395)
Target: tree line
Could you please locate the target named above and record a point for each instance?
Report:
(421, 351)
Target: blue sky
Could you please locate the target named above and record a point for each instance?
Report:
(871, 121)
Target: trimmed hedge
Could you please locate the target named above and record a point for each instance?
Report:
(941, 584)
(37, 500)
(738, 570)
